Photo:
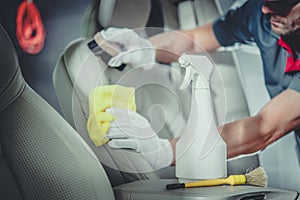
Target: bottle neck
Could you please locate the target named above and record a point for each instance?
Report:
(200, 82)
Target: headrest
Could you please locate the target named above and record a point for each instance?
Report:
(115, 13)
(11, 80)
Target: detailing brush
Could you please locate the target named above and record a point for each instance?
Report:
(257, 177)
(104, 49)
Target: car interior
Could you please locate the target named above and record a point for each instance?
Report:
(42, 156)
(46, 152)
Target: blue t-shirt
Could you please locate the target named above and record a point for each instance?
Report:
(248, 24)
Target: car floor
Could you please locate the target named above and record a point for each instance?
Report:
(62, 20)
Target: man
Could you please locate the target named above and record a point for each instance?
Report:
(276, 35)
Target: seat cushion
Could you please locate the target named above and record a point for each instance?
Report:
(8, 186)
(45, 155)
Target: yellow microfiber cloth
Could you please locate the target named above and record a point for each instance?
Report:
(101, 98)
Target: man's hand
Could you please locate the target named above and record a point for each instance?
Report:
(135, 50)
(285, 25)
(132, 131)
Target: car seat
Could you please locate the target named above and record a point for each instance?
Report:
(41, 155)
(74, 76)
(78, 71)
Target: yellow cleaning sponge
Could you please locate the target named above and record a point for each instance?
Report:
(101, 98)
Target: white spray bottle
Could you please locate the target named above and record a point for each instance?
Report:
(200, 151)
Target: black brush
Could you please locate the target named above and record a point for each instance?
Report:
(103, 49)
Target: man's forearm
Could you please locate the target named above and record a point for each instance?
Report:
(278, 117)
(170, 45)
(243, 136)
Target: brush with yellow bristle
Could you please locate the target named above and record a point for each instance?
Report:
(257, 177)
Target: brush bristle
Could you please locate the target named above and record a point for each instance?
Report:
(257, 177)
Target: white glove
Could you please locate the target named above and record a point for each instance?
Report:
(130, 130)
(136, 51)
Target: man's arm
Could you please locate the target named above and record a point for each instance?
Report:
(171, 45)
(278, 117)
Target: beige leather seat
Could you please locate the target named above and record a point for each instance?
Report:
(78, 71)
(42, 156)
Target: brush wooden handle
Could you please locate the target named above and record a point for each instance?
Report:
(106, 46)
(230, 180)
(257, 177)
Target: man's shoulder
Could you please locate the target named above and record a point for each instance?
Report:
(252, 8)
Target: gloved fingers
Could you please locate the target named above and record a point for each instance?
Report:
(164, 156)
(131, 123)
(122, 36)
(122, 125)
(124, 144)
(120, 112)
(135, 56)
(117, 60)
(100, 122)
(131, 60)
(126, 116)
(104, 117)
(116, 133)
(127, 57)
(112, 32)
(135, 50)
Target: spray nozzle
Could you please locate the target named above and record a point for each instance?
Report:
(196, 65)
(189, 73)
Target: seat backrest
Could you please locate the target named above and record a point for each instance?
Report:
(42, 156)
(78, 71)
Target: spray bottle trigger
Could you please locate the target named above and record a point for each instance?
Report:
(185, 62)
(187, 78)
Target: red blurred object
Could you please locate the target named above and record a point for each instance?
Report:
(30, 30)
